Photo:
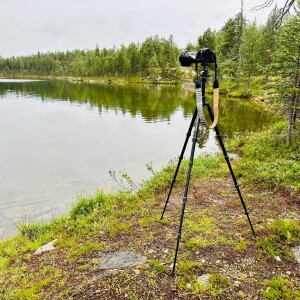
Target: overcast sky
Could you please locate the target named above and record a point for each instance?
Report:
(28, 26)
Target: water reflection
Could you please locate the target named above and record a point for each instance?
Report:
(59, 139)
(153, 103)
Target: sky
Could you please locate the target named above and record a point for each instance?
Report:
(29, 26)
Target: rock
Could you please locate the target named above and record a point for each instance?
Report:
(233, 156)
(204, 279)
(296, 251)
(278, 258)
(288, 273)
(151, 251)
(218, 262)
(121, 260)
(188, 286)
(45, 248)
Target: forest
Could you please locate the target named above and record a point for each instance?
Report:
(251, 58)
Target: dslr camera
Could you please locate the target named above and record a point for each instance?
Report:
(205, 57)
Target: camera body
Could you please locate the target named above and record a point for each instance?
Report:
(205, 57)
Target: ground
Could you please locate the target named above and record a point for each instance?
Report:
(216, 240)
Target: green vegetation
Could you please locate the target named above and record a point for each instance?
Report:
(282, 235)
(218, 283)
(267, 159)
(280, 288)
(130, 220)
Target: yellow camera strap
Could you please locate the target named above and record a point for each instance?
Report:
(215, 104)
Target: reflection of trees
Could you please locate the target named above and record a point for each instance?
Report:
(152, 102)
(239, 116)
(202, 136)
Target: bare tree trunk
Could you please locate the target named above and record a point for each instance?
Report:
(294, 103)
(290, 125)
(240, 43)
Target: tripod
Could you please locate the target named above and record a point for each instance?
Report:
(197, 117)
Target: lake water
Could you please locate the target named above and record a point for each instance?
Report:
(59, 139)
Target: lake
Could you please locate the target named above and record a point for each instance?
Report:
(59, 139)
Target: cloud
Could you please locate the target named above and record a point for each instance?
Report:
(43, 25)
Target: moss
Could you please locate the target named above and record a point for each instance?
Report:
(281, 288)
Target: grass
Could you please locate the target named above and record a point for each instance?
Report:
(267, 160)
(214, 230)
(281, 236)
(280, 288)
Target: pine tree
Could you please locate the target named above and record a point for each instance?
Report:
(287, 65)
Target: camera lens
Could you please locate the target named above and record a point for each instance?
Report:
(186, 58)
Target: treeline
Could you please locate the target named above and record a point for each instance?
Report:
(156, 58)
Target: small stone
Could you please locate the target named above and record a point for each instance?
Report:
(218, 262)
(277, 258)
(121, 260)
(203, 260)
(204, 279)
(188, 286)
(296, 251)
(288, 273)
(166, 251)
(47, 247)
(251, 274)
(151, 251)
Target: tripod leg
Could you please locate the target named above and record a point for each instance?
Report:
(186, 193)
(179, 161)
(236, 185)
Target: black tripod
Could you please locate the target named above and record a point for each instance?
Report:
(204, 75)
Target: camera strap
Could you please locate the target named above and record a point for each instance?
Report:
(200, 105)
(215, 104)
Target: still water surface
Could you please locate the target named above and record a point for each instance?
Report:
(59, 139)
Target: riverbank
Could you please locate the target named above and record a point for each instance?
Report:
(216, 244)
(258, 89)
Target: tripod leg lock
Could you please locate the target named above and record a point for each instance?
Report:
(184, 199)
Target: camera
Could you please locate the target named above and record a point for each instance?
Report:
(205, 57)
